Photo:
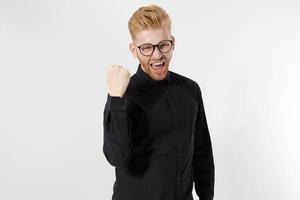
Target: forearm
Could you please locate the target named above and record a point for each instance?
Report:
(204, 173)
(116, 130)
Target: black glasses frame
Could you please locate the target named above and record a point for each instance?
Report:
(155, 45)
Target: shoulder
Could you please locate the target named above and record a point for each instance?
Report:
(189, 84)
(184, 79)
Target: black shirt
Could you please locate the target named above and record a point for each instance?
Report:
(156, 136)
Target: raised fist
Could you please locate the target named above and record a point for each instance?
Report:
(117, 80)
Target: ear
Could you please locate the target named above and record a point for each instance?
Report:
(173, 38)
(133, 50)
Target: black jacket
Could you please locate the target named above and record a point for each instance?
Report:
(156, 135)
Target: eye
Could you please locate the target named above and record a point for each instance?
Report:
(165, 46)
(146, 47)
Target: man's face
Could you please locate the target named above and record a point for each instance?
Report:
(149, 64)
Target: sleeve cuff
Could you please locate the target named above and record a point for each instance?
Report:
(116, 103)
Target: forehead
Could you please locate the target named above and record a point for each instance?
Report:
(152, 35)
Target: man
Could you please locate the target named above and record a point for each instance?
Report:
(155, 129)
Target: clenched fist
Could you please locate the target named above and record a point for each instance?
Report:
(117, 80)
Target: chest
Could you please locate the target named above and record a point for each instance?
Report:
(165, 113)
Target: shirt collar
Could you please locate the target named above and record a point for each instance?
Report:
(148, 81)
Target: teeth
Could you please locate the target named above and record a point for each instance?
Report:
(158, 63)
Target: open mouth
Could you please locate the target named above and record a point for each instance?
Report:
(158, 66)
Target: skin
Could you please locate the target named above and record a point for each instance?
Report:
(153, 36)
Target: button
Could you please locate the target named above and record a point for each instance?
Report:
(178, 178)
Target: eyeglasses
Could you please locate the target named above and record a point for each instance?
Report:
(163, 46)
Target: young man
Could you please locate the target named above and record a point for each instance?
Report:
(155, 129)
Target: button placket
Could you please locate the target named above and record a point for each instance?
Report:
(179, 159)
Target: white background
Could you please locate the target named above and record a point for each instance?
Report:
(245, 55)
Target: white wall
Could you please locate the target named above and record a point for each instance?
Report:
(53, 59)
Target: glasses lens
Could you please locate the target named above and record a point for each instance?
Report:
(146, 49)
(165, 46)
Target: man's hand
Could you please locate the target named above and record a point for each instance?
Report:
(117, 80)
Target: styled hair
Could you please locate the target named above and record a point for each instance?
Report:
(148, 17)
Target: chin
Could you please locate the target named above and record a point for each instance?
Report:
(159, 74)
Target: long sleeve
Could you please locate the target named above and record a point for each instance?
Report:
(116, 130)
(203, 162)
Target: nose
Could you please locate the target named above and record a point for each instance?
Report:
(156, 53)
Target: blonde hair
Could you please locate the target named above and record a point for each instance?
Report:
(148, 17)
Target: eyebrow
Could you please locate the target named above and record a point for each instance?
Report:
(152, 43)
